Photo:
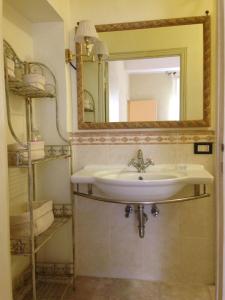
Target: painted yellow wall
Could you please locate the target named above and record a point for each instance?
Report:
(18, 31)
(5, 271)
(61, 7)
(106, 11)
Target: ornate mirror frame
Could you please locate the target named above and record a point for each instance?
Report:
(205, 122)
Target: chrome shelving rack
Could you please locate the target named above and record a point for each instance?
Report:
(22, 158)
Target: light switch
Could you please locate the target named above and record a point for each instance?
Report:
(203, 148)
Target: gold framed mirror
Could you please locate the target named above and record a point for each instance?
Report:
(179, 51)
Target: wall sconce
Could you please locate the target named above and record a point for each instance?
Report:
(86, 34)
(101, 50)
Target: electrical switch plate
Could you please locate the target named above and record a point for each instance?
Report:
(203, 148)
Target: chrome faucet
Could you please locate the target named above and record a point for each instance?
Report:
(139, 162)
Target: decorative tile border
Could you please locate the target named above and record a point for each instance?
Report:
(141, 137)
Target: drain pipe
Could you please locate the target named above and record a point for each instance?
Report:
(142, 219)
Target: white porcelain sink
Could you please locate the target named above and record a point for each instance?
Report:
(159, 182)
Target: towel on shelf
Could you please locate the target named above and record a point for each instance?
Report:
(43, 218)
(35, 154)
(37, 151)
(35, 145)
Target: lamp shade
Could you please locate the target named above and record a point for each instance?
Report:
(100, 48)
(85, 29)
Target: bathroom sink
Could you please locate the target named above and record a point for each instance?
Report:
(152, 185)
(134, 176)
(159, 182)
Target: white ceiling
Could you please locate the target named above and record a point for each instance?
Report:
(153, 65)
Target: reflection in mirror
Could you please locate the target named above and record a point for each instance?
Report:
(156, 74)
(132, 90)
(144, 90)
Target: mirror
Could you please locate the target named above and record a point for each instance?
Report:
(157, 76)
(147, 89)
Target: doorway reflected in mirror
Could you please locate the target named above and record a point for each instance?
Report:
(144, 90)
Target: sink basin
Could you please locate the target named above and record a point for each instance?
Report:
(159, 182)
(134, 176)
(130, 185)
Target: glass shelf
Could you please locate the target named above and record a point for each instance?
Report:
(19, 158)
(53, 280)
(20, 88)
(56, 290)
(25, 155)
(22, 246)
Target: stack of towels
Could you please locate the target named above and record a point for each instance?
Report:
(35, 80)
(10, 67)
(37, 151)
(43, 218)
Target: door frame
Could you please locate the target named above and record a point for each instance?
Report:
(219, 164)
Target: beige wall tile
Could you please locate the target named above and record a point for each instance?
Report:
(93, 238)
(84, 155)
(126, 255)
(162, 260)
(196, 218)
(197, 258)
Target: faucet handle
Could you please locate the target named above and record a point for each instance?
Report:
(150, 161)
(131, 162)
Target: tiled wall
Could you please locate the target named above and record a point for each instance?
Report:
(179, 245)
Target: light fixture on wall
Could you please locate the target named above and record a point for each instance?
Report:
(101, 50)
(86, 34)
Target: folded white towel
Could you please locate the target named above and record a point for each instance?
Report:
(10, 67)
(39, 225)
(35, 154)
(36, 145)
(42, 216)
(35, 80)
(11, 73)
